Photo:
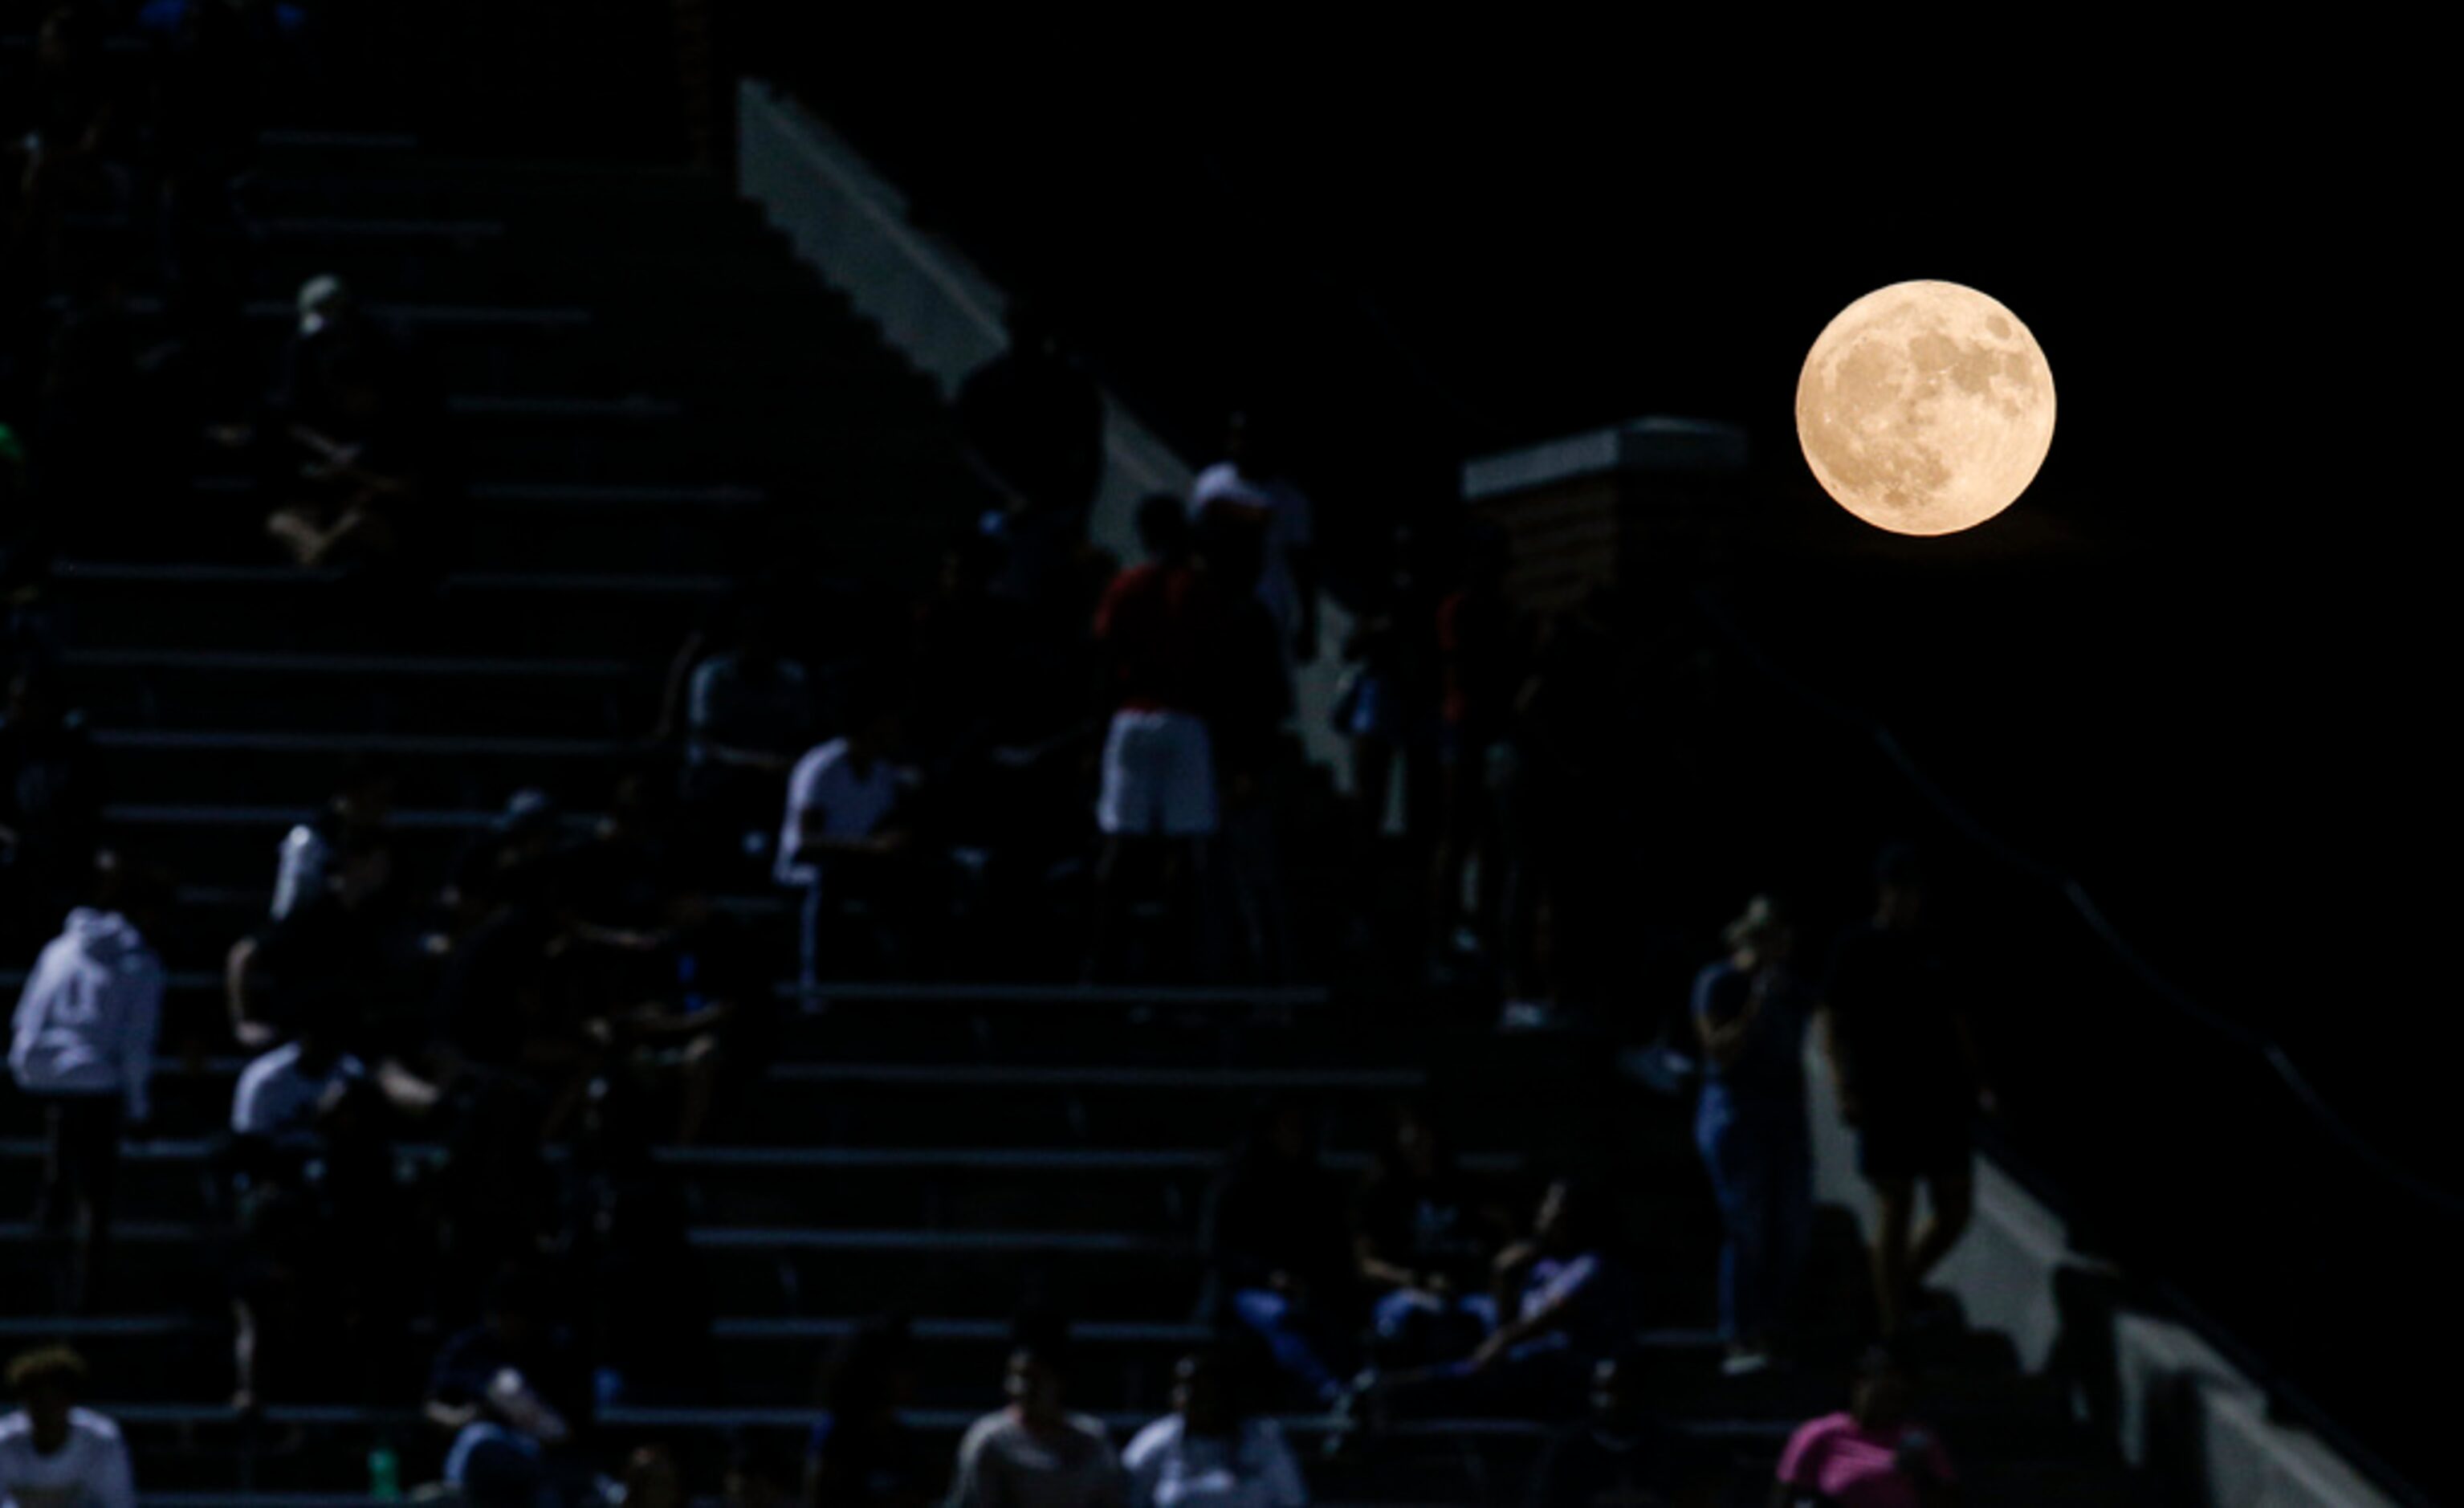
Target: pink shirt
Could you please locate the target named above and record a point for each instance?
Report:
(1836, 1456)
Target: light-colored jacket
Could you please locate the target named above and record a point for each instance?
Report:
(87, 1021)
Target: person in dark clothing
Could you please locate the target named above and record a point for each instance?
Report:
(1562, 1300)
(356, 813)
(1252, 758)
(51, 804)
(508, 1391)
(1423, 1240)
(651, 1321)
(1034, 425)
(1904, 1065)
(1275, 1247)
(340, 942)
(1620, 1457)
(1482, 649)
(860, 1453)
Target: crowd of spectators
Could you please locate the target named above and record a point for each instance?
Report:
(1045, 734)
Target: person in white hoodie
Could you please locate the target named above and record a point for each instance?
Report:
(83, 1048)
(53, 1453)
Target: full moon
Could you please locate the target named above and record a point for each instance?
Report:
(1925, 407)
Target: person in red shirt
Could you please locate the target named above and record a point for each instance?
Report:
(1160, 629)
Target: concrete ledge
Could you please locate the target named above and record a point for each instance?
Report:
(1644, 444)
(2182, 1414)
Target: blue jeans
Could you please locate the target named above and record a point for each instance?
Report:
(1759, 1154)
(1417, 1329)
(1269, 1315)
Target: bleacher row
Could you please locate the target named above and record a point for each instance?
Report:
(649, 394)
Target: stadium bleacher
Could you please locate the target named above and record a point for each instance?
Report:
(650, 393)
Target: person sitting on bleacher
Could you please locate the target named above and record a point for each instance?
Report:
(1425, 1241)
(356, 814)
(1563, 1300)
(1035, 1454)
(842, 841)
(281, 1094)
(505, 1390)
(340, 940)
(320, 1284)
(1872, 1456)
(1208, 1453)
(1619, 1453)
(748, 714)
(1278, 1262)
(862, 1455)
(53, 1453)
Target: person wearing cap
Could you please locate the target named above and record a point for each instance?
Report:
(1871, 1456)
(1749, 1015)
(1904, 1065)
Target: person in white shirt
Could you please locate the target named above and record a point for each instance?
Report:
(1035, 1454)
(1246, 494)
(838, 841)
(82, 1046)
(53, 1453)
(1206, 1455)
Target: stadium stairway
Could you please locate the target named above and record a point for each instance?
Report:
(652, 396)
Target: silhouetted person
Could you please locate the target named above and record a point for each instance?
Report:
(1620, 1454)
(1872, 1456)
(1749, 1014)
(1276, 1246)
(1903, 1060)
(748, 714)
(1424, 1239)
(1482, 651)
(51, 800)
(862, 1455)
(1034, 421)
(1253, 761)
(82, 1047)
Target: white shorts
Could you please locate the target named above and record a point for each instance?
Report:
(1159, 776)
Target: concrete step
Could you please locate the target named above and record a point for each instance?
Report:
(510, 614)
(154, 688)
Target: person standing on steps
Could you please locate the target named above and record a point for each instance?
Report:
(83, 1048)
(1750, 1015)
(1904, 1062)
